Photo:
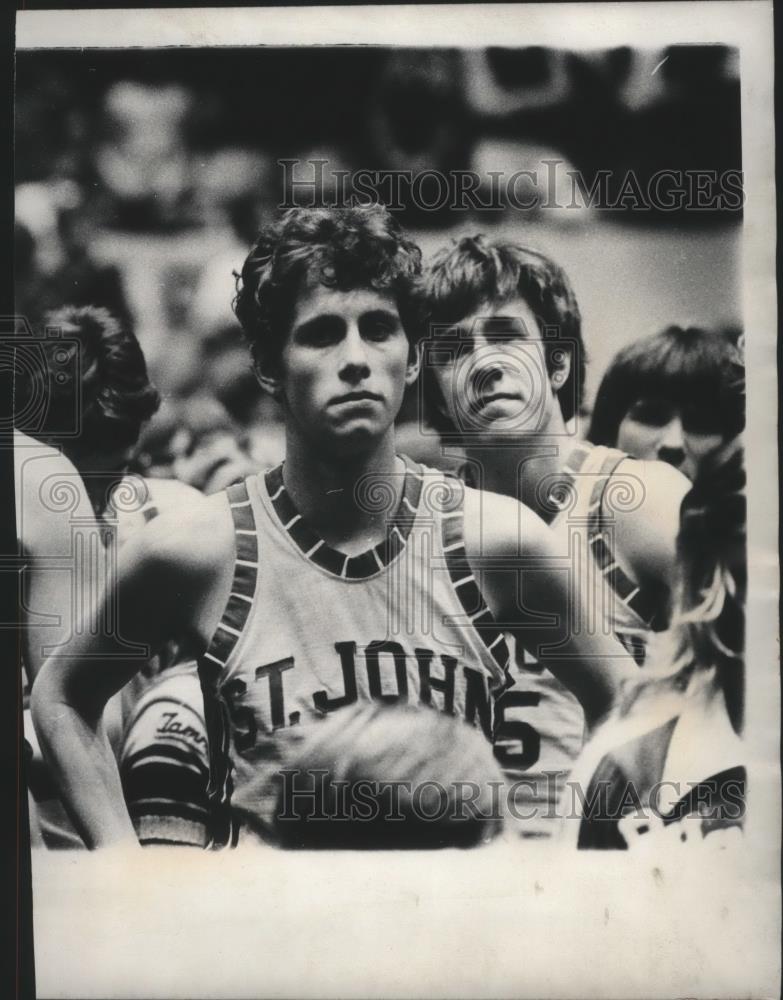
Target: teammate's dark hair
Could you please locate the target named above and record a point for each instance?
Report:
(477, 272)
(343, 248)
(698, 370)
(116, 395)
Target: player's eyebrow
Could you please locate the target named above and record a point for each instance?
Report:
(500, 323)
(382, 315)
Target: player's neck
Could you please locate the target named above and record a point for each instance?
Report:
(528, 467)
(324, 489)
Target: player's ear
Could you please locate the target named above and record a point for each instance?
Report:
(414, 364)
(561, 368)
(269, 375)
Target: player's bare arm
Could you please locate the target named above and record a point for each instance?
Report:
(43, 478)
(646, 530)
(171, 585)
(527, 586)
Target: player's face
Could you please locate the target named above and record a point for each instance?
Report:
(345, 365)
(495, 382)
(658, 428)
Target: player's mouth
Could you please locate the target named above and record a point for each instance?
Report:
(483, 402)
(356, 397)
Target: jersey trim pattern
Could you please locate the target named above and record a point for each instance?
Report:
(639, 600)
(314, 548)
(464, 582)
(223, 829)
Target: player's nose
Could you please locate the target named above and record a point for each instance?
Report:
(487, 363)
(354, 357)
(671, 444)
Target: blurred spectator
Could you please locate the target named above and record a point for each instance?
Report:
(685, 116)
(501, 82)
(417, 120)
(196, 441)
(674, 396)
(142, 161)
(54, 263)
(235, 184)
(238, 203)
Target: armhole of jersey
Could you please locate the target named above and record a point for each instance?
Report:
(223, 829)
(634, 596)
(565, 492)
(466, 586)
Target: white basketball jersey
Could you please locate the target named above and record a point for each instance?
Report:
(308, 630)
(540, 728)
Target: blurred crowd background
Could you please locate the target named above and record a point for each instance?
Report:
(143, 175)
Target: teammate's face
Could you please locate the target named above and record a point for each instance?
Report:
(493, 378)
(658, 428)
(345, 365)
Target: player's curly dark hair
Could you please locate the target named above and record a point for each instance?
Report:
(476, 272)
(698, 370)
(116, 394)
(343, 248)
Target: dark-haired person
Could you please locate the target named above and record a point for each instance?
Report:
(674, 396)
(503, 371)
(111, 399)
(114, 398)
(344, 575)
(669, 763)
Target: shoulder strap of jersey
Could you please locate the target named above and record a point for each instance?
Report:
(465, 584)
(223, 829)
(642, 601)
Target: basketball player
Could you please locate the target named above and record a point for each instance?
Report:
(346, 574)
(669, 764)
(503, 369)
(52, 509)
(114, 399)
(162, 752)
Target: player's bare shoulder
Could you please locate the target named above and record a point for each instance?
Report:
(498, 527)
(194, 539)
(644, 505)
(653, 481)
(184, 560)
